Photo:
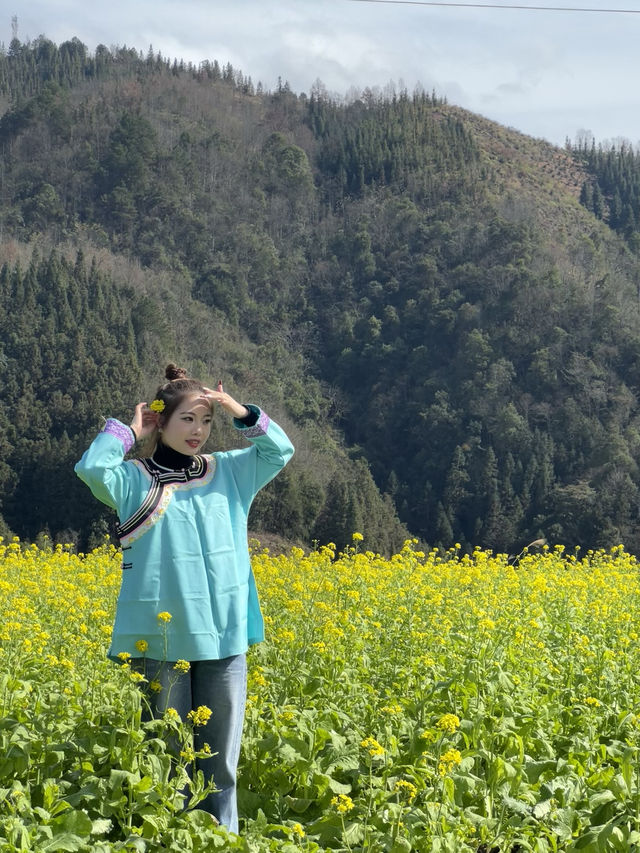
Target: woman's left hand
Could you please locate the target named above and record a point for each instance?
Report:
(226, 401)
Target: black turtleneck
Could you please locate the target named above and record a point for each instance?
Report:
(167, 457)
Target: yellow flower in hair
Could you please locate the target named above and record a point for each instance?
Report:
(157, 406)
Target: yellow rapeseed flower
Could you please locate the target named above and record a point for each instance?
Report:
(448, 761)
(406, 789)
(372, 746)
(200, 716)
(342, 803)
(448, 723)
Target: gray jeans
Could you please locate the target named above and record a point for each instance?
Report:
(221, 685)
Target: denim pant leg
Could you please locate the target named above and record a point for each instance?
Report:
(221, 685)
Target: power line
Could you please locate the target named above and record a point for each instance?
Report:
(500, 6)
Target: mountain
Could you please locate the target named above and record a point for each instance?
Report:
(418, 294)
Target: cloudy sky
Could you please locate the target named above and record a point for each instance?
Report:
(549, 74)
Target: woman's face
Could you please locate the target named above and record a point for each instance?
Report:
(189, 426)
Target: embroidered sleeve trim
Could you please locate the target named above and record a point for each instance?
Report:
(121, 432)
(260, 428)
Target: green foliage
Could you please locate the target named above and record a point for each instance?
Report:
(391, 273)
(59, 326)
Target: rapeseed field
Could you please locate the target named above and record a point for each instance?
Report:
(434, 701)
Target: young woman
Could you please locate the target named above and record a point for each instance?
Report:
(188, 592)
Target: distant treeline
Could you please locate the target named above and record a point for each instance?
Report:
(612, 189)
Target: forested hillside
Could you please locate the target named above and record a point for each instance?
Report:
(415, 292)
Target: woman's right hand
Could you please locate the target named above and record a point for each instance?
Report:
(144, 421)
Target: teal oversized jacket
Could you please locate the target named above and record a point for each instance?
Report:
(184, 542)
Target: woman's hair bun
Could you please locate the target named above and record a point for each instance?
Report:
(172, 372)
